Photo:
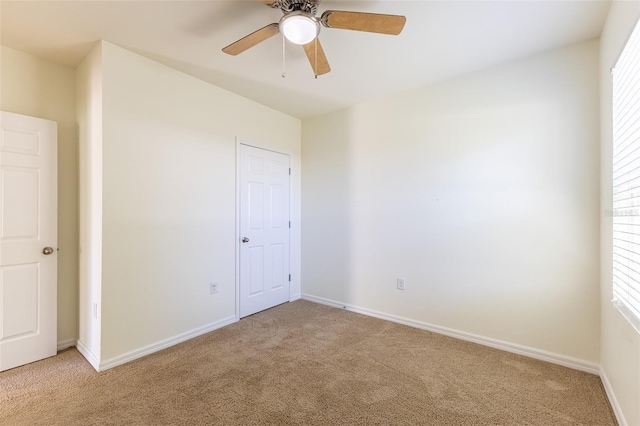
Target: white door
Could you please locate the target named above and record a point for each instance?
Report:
(264, 229)
(28, 237)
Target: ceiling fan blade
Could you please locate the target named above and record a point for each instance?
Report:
(251, 40)
(360, 21)
(317, 58)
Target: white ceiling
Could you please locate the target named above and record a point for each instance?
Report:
(441, 40)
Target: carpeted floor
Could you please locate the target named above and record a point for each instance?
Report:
(303, 363)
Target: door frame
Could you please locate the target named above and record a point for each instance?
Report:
(243, 141)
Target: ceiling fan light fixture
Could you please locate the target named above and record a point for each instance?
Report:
(299, 27)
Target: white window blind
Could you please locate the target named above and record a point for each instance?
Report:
(626, 180)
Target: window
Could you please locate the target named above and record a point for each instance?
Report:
(626, 180)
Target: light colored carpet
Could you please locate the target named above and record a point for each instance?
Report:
(303, 363)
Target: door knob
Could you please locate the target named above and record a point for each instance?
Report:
(245, 240)
(47, 250)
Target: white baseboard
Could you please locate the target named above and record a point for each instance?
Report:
(617, 410)
(65, 344)
(565, 361)
(163, 344)
(295, 297)
(88, 355)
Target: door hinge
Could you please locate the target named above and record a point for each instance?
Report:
(289, 171)
(289, 224)
(289, 277)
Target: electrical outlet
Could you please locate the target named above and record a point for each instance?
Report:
(213, 287)
(400, 283)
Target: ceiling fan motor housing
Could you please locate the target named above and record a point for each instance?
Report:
(308, 6)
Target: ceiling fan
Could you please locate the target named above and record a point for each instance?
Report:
(300, 25)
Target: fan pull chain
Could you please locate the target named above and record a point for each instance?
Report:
(315, 69)
(284, 70)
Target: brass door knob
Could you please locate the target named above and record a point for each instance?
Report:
(47, 250)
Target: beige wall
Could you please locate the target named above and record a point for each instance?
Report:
(482, 193)
(620, 354)
(89, 116)
(40, 88)
(169, 188)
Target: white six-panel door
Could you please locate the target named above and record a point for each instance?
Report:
(28, 231)
(264, 229)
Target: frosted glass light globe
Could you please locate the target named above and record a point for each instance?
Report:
(299, 27)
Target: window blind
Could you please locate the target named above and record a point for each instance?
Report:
(626, 180)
